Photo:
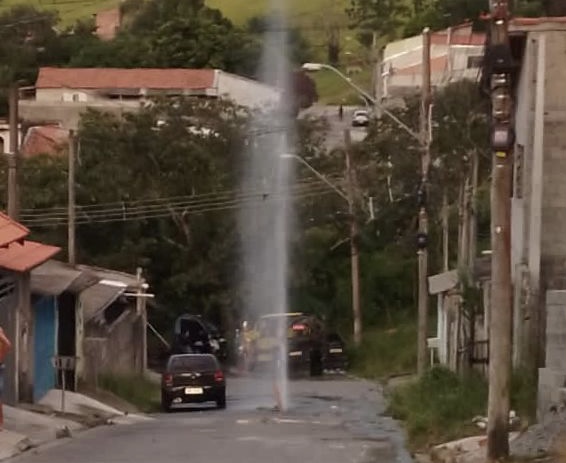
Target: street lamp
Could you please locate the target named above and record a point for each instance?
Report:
(354, 232)
(315, 172)
(314, 67)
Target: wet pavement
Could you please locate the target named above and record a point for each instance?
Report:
(333, 420)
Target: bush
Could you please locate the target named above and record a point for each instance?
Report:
(386, 351)
(137, 390)
(439, 406)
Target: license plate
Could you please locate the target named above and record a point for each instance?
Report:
(193, 390)
(335, 351)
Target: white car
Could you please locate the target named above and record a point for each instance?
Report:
(360, 118)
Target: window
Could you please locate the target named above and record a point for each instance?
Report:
(475, 61)
(181, 363)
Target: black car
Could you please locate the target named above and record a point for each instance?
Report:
(335, 357)
(193, 378)
(195, 335)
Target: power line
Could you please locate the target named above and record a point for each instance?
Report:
(176, 200)
(170, 212)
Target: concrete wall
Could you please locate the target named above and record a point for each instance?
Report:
(552, 378)
(118, 350)
(246, 92)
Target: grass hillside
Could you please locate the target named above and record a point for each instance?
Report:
(69, 10)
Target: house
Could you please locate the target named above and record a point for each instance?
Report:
(18, 257)
(112, 338)
(456, 54)
(538, 212)
(5, 136)
(60, 95)
(93, 315)
(107, 23)
(538, 241)
(55, 288)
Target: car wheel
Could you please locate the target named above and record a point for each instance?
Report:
(221, 402)
(316, 367)
(165, 403)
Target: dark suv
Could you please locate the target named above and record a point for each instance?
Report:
(195, 335)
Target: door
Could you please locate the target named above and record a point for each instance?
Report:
(45, 309)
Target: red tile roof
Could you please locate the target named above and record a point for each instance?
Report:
(47, 139)
(11, 231)
(23, 257)
(107, 23)
(106, 78)
(537, 21)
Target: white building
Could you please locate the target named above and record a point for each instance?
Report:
(456, 54)
(61, 94)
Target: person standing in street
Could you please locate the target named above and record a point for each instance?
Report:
(5, 346)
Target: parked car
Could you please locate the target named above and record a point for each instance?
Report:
(193, 378)
(305, 342)
(335, 356)
(195, 335)
(360, 118)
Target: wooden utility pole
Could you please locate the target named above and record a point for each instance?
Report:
(422, 240)
(500, 333)
(445, 232)
(354, 232)
(13, 193)
(473, 220)
(71, 222)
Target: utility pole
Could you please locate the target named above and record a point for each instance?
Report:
(422, 237)
(71, 223)
(473, 227)
(354, 232)
(13, 193)
(500, 61)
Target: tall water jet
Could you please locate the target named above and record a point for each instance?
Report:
(265, 224)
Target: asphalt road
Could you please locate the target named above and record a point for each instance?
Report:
(336, 126)
(329, 420)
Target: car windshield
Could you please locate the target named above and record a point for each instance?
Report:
(182, 363)
(361, 113)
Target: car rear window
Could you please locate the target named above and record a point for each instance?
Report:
(192, 363)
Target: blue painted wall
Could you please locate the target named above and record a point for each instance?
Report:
(45, 310)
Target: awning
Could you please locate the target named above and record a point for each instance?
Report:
(54, 277)
(10, 230)
(23, 257)
(442, 282)
(111, 286)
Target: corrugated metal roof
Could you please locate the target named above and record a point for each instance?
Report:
(10, 230)
(54, 277)
(110, 287)
(23, 257)
(97, 298)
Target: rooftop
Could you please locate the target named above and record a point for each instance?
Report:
(112, 78)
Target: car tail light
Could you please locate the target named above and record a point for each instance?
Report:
(219, 376)
(168, 380)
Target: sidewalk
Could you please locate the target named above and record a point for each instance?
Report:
(32, 425)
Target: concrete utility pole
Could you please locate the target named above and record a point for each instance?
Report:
(500, 333)
(13, 193)
(354, 232)
(422, 238)
(71, 223)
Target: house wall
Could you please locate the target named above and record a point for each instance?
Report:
(552, 378)
(113, 351)
(9, 323)
(245, 91)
